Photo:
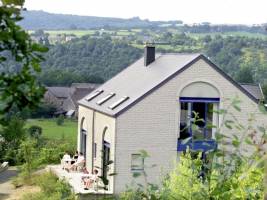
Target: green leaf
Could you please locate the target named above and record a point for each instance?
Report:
(39, 48)
(110, 162)
(136, 174)
(144, 154)
(15, 2)
(113, 174)
(262, 129)
(248, 141)
(186, 141)
(262, 108)
(228, 124)
(237, 107)
(236, 143)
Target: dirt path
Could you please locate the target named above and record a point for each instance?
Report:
(6, 188)
(8, 191)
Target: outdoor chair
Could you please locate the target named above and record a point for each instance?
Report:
(80, 166)
(4, 166)
(94, 185)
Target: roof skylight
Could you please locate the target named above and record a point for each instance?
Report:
(95, 94)
(101, 101)
(119, 102)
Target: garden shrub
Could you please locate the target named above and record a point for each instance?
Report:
(185, 182)
(51, 188)
(35, 131)
(50, 152)
(132, 194)
(11, 136)
(60, 120)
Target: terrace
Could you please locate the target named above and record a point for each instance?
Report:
(74, 180)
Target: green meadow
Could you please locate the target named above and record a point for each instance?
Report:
(51, 130)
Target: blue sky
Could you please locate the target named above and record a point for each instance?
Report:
(215, 11)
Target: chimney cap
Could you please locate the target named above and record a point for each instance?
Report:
(149, 44)
(149, 54)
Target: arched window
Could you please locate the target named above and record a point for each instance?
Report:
(198, 101)
(83, 137)
(106, 153)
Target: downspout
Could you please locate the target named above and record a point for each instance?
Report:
(93, 141)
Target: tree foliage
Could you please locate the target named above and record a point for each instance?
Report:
(18, 88)
(87, 60)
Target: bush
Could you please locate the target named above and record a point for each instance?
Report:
(51, 188)
(132, 194)
(186, 176)
(35, 131)
(44, 110)
(60, 120)
(11, 136)
(52, 151)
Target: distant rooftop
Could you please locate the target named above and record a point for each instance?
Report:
(254, 89)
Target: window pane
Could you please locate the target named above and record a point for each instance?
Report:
(184, 120)
(137, 162)
(209, 120)
(199, 115)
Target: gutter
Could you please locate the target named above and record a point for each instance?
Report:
(263, 97)
(93, 141)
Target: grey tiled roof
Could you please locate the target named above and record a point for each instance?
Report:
(254, 89)
(59, 92)
(136, 80)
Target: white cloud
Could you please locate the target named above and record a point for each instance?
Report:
(215, 11)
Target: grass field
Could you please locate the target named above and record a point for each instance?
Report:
(52, 131)
(80, 33)
(123, 32)
(225, 34)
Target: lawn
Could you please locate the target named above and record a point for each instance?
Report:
(53, 131)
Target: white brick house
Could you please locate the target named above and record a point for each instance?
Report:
(148, 106)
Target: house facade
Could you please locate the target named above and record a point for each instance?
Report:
(149, 106)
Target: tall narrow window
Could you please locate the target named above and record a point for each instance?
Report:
(95, 149)
(185, 120)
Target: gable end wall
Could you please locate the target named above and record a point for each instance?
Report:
(153, 123)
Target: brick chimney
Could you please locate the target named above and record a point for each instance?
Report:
(149, 54)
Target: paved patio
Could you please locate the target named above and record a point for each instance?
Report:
(74, 179)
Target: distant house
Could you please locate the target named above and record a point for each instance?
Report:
(64, 99)
(149, 106)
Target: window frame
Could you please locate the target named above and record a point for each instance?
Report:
(199, 100)
(142, 164)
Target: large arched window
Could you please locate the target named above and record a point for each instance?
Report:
(106, 153)
(198, 121)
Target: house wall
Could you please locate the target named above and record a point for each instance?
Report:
(153, 123)
(86, 115)
(95, 123)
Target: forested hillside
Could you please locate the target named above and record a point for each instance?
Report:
(97, 59)
(42, 20)
(87, 60)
